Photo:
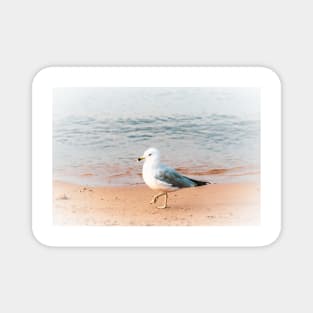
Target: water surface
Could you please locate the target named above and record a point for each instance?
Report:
(204, 133)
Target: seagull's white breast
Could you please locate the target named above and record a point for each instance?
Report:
(149, 172)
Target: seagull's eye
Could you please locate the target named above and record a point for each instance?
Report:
(149, 154)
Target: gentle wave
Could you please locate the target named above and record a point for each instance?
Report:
(106, 148)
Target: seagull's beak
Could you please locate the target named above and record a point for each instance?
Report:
(140, 158)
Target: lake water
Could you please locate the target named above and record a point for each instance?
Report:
(98, 134)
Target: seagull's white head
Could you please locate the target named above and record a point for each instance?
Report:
(151, 155)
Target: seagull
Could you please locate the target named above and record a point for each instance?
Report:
(163, 178)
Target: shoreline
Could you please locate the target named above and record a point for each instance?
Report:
(96, 177)
(210, 205)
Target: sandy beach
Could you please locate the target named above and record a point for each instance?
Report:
(216, 205)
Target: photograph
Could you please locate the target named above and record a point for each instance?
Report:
(156, 156)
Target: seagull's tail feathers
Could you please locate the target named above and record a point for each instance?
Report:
(198, 182)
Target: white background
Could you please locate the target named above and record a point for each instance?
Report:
(35, 34)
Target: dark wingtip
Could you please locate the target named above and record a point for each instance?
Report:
(202, 183)
(199, 182)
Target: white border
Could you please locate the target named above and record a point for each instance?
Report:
(48, 234)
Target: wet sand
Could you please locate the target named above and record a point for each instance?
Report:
(216, 205)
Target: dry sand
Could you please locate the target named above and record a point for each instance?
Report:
(220, 204)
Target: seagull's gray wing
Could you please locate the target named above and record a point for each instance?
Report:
(171, 177)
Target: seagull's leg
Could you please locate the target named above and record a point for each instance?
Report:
(155, 198)
(165, 203)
